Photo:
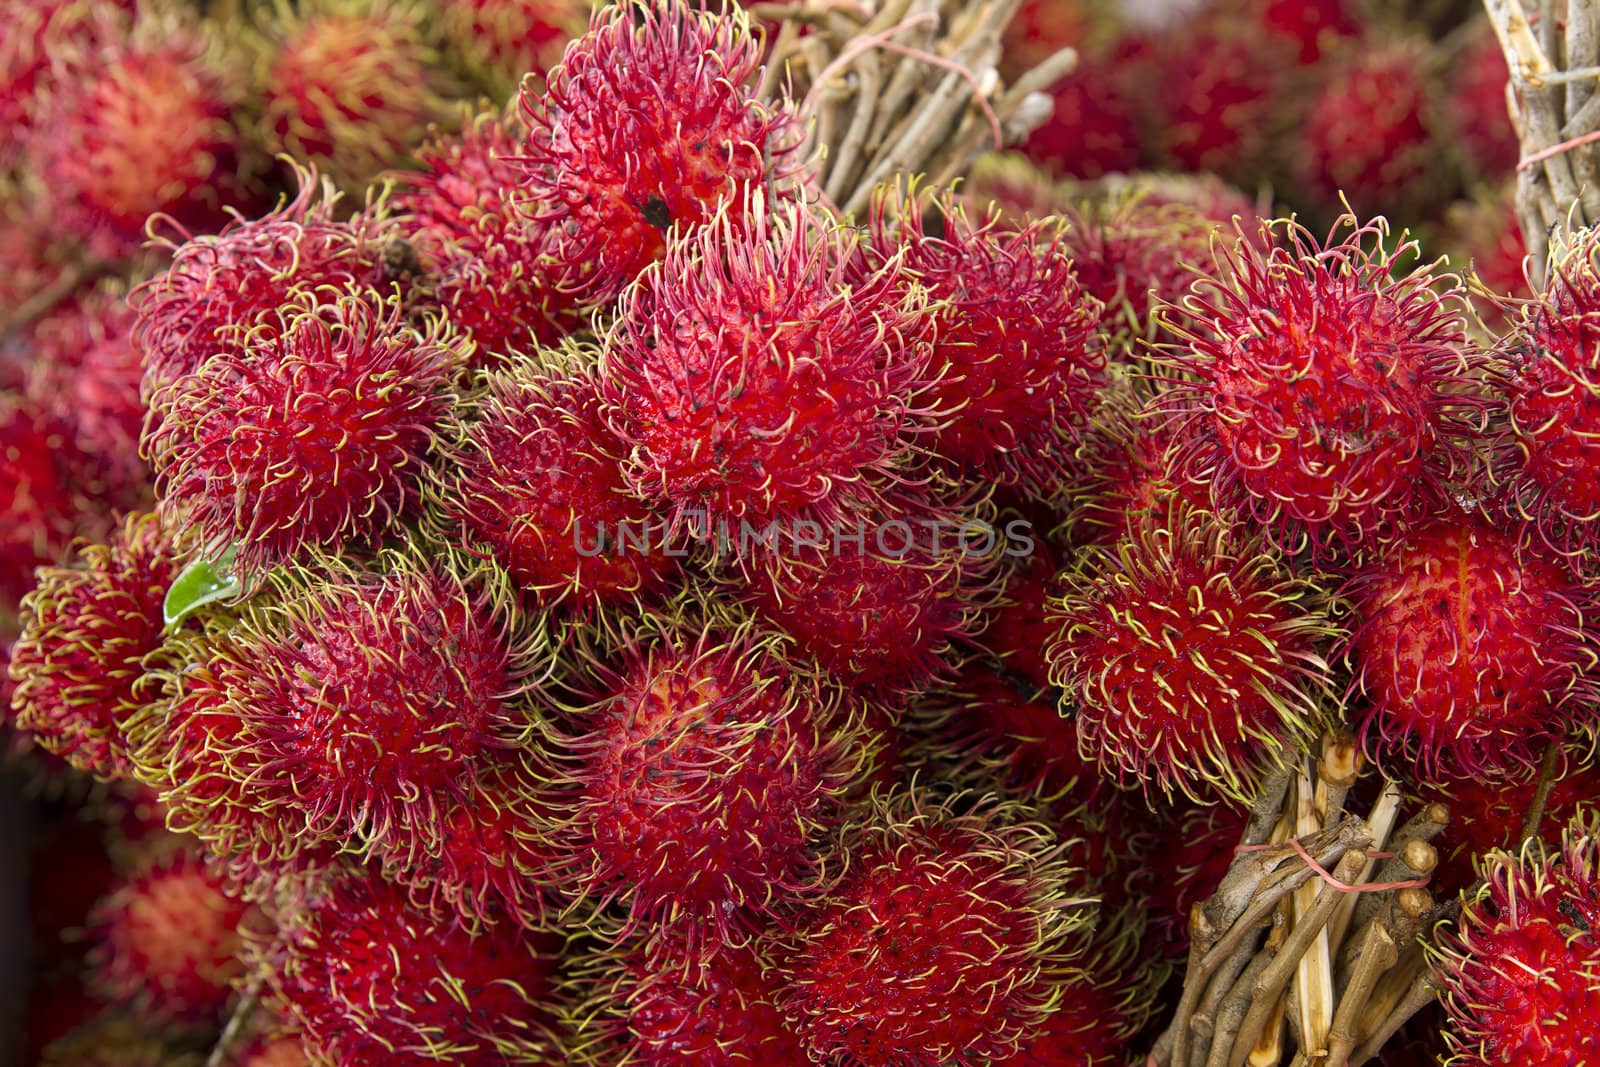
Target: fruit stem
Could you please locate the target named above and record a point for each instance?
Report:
(1541, 795)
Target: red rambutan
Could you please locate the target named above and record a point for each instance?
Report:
(220, 286)
(139, 123)
(499, 41)
(1315, 26)
(1469, 646)
(36, 30)
(704, 769)
(313, 431)
(1371, 138)
(1093, 128)
(948, 938)
(88, 630)
(1319, 392)
(656, 1002)
(350, 86)
(42, 500)
(1191, 656)
(373, 980)
(465, 176)
(1017, 629)
(531, 475)
(1014, 359)
(1521, 971)
(759, 370)
(879, 598)
(648, 124)
(167, 943)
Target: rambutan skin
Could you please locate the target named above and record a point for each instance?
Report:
(80, 664)
(703, 772)
(1093, 128)
(168, 943)
(218, 286)
(531, 474)
(1319, 394)
(500, 41)
(373, 980)
(1521, 970)
(314, 431)
(1191, 656)
(760, 369)
(1469, 646)
(1015, 363)
(647, 124)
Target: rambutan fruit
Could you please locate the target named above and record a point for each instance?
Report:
(648, 124)
(220, 286)
(494, 859)
(1015, 187)
(497, 42)
(1130, 474)
(1015, 364)
(704, 765)
(761, 370)
(354, 704)
(167, 943)
(1316, 27)
(1318, 392)
(878, 598)
(37, 30)
(1488, 814)
(1093, 128)
(531, 475)
(655, 1001)
(43, 504)
(1017, 629)
(1217, 96)
(1371, 139)
(948, 939)
(89, 630)
(313, 431)
(1469, 646)
(1480, 117)
(350, 86)
(137, 123)
(371, 979)
(1547, 370)
(494, 273)
(1191, 656)
(1521, 970)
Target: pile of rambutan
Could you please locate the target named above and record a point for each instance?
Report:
(532, 581)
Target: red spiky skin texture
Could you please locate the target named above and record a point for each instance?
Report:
(364, 699)
(1093, 128)
(1191, 655)
(220, 285)
(532, 475)
(1131, 475)
(372, 980)
(1018, 630)
(703, 770)
(1521, 970)
(1316, 27)
(314, 431)
(1547, 370)
(494, 857)
(879, 599)
(1487, 814)
(1371, 134)
(1218, 87)
(495, 273)
(658, 1002)
(499, 41)
(138, 124)
(648, 124)
(41, 497)
(349, 86)
(36, 32)
(1320, 394)
(1020, 738)
(87, 631)
(1014, 362)
(760, 370)
(1476, 99)
(1469, 647)
(86, 372)
(168, 943)
(947, 940)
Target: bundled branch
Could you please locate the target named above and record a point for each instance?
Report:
(1553, 50)
(894, 87)
(1307, 953)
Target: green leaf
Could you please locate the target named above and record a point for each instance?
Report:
(202, 582)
